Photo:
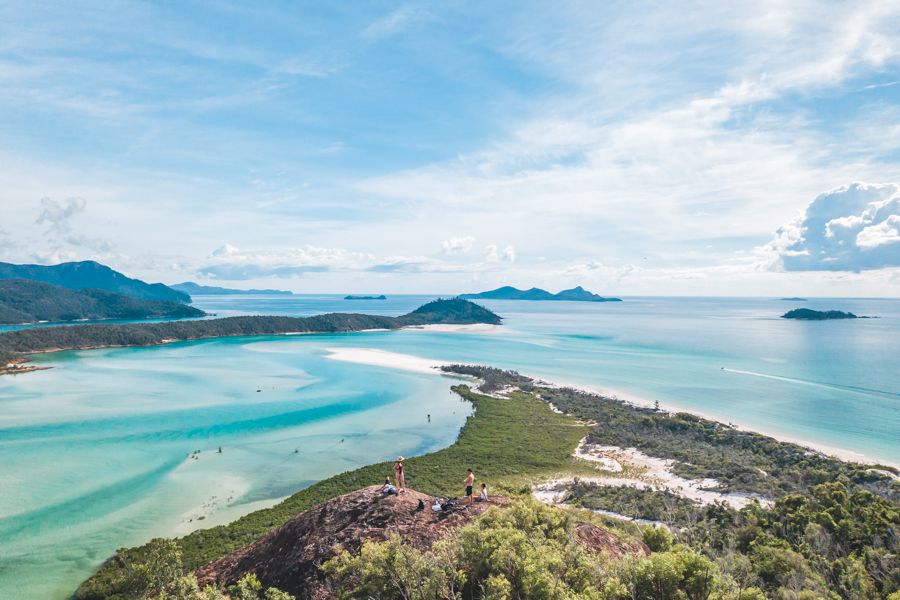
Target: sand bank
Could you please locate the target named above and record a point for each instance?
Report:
(408, 362)
(643, 472)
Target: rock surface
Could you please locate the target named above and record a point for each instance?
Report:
(289, 557)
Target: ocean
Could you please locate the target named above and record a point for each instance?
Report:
(101, 451)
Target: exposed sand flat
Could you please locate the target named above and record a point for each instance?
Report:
(654, 474)
(383, 358)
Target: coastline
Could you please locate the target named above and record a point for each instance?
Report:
(417, 364)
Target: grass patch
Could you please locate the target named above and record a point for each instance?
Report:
(507, 442)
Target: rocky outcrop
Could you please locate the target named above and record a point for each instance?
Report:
(289, 557)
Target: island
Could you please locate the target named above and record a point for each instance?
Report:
(794, 299)
(26, 301)
(15, 345)
(195, 289)
(576, 294)
(352, 297)
(89, 274)
(808, 314)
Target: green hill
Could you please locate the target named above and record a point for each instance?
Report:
(92, 275)
(808, 314)
(41, 339)
(24, 301)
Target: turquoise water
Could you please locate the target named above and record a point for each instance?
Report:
(94, 453)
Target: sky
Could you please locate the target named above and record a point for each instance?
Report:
(643, 148)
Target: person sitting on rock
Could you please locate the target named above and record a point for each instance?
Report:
(388, 489)
(482, 495)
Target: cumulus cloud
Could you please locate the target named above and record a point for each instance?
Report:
(230, 262)
(58, 218)
(458, 245)
(495, 255)
(851, 228)
(583, 268)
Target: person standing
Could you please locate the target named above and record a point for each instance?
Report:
(470, 482)
(399, 476)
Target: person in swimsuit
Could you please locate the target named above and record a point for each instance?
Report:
(399, 476)
(470, 481)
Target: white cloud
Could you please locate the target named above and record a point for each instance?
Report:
(495, 255)
(58, 217)
(851, 228)
(230, 262)
(458, 245)
(395, 22)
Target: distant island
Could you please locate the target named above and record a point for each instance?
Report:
(26, 301)
(89, 274)
(14, 345)
(352, 297)
(576, 294)
(796, 299)
(807, 314)
(195, 289)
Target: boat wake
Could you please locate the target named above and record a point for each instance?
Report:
(820, 384)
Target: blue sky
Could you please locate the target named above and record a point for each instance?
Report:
(633, 148)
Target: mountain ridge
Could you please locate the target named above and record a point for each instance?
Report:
(89, 274)
(508, 292)
(196, 289)
(29, 301)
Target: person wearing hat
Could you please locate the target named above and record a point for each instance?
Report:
(399, 477)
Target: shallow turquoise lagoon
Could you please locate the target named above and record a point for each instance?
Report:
(95, 453)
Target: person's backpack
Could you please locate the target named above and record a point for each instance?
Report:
(421, 505)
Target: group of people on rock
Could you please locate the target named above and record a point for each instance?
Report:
(397, 488)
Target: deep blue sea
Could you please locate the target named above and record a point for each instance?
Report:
(96, 453)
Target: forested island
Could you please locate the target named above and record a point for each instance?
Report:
(811, 527)
(353, 297)
(808, 314)
(15, 344)
(25, 301)
(89, 274)
(576, 294)
(195, 289)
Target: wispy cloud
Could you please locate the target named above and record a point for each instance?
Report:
(395, 22)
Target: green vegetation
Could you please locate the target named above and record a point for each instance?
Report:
(576, 294)
(526, 551)
(25, 301)
(92, 275)
(507, 442)
(808, 314)
(651, 505)
(41, 339)
(834, 531)
(160, 574)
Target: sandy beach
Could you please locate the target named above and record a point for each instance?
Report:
(409, 362)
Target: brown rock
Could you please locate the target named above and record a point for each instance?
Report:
(289, 557)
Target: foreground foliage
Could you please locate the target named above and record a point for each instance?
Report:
(159, 574)
(525, 551)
